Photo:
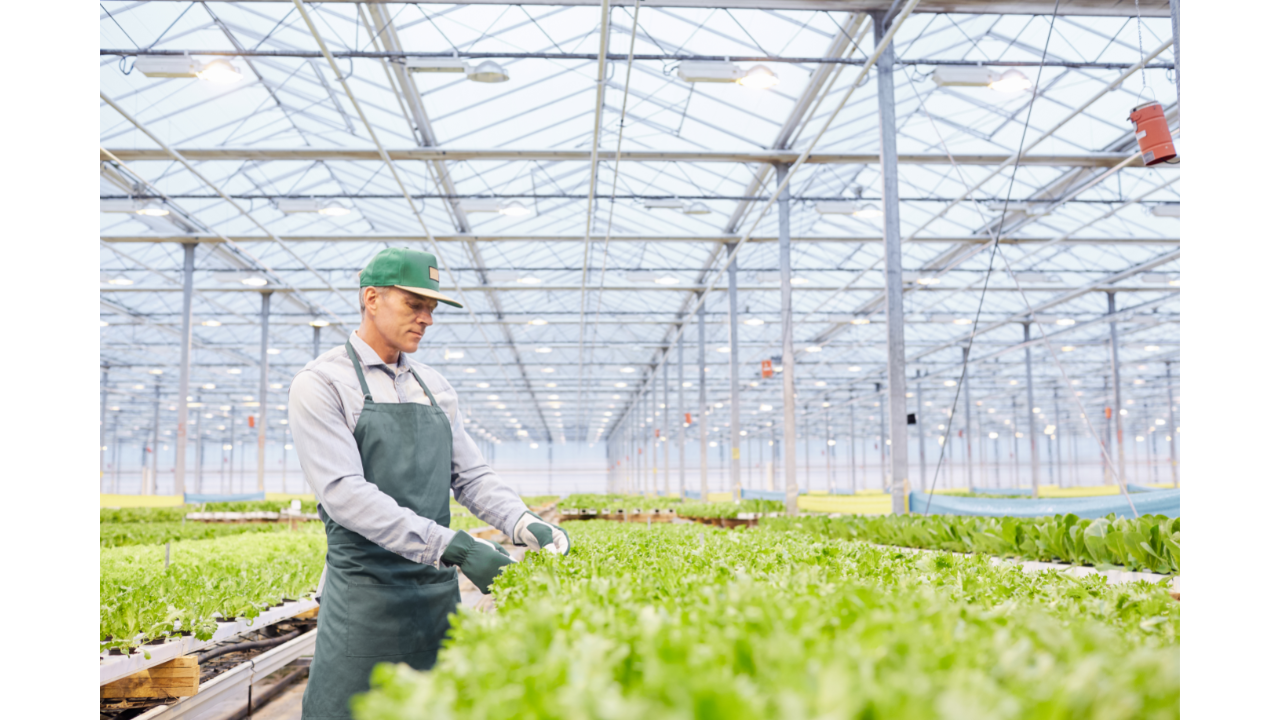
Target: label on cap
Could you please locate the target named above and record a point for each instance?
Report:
(434, 273)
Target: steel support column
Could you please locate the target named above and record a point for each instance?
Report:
(262, 395)
(155, 445)
(968, 423)
(102, 429)
(1118, 459)
(1175, 16)
(853, 445)
(199, 449)
(735, 392)
(894, 320)
(788, 352)
(184, 370)
(1173, 424)
(884, 470)
(921, 432)
(666, 431)
(680, 411)
(1057, 437)
(1031, 415)
(315, 342)
(702, 402)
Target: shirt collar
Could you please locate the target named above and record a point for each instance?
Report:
(370, 358)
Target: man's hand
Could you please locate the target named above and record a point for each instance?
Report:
(477, 559)
(538, 534)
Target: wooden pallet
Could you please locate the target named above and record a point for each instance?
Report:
(180, 677)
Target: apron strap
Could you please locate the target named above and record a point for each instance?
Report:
(424, 387)
(355, 360)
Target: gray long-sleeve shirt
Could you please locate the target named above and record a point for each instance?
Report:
(325, 402)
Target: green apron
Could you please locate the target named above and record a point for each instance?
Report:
(379, 606)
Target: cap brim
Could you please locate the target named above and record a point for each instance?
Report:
(433, 294)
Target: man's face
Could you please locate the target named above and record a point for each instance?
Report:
(401, 317)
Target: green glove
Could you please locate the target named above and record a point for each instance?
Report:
(477, 559)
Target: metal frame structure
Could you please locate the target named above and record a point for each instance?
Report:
(576, 308)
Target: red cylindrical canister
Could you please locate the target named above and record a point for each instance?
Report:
(1152, 132)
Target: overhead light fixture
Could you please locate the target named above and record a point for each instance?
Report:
(835, 207)
(758, 77)
(319, 323)
(627, 369)
(855, 368)
(1068, 348)
(721, 71)
(512, 208)
(209, 386)
(487, 71)
(150, 208)
(860, 321)
(542, 350)
(766, 408)
(1160, 278)
(754, 322)
(548, 369)
(211, 323)
(820, 383)
(479, 205)
(220, 72)
(928, 280)
(156, 371)
(273, 351)
(537, 321)
(1152, 348)
(436, 64)
(949, 383)
(1011, 81)
(528, 280)
(1064, 321)
(962, 321)
(667, 280)
(104, 323)
(813, 349)
(619, 384)
(697, 208)
(167, 66)
(331, 208)
(1172, 210)
(119, 281)
(254, 281)
(663, 204)
(961, 76)
(994, 435)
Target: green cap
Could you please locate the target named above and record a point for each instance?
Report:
(411, 270)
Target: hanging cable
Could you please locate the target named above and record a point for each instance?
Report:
(964, 367)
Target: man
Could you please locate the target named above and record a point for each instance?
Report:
(382, 442)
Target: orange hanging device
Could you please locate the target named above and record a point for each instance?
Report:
(1152, 132)
(766, 369)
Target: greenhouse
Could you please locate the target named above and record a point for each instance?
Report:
(655, 358)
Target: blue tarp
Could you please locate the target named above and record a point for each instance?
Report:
(692, 494)
(1002, 491)
(763, 494)
(195, 499)
(1153, 502)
